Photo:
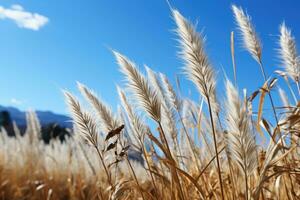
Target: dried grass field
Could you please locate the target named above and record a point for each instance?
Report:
(162, 145)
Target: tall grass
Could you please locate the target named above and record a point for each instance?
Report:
(187, 151)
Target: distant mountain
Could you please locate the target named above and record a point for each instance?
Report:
(45, 117)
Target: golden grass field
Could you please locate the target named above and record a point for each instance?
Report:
(224, 146)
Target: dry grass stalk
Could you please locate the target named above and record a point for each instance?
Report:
(241, 142)
(87, 128)
(149, 101)
(198, 70)
(252, 44)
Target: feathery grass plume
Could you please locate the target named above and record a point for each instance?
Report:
(288, 53)
(250, 39)
(169, 124)
(159, 88)
(16, 129)
(139, 129)
(87, 127)
(145, 96)
(149, 101)
(155, 83)
(167, 111)
(33, 125)
(199, 71)
(138, 126)
(170, 94)
(252, 44)
(168, 118)
(82, 120)
(108, 120)
(241, 142)
(176, 105)
(197, 66)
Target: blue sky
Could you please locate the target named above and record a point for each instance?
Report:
(72, 44)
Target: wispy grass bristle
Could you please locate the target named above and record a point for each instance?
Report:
(146, 97)
(250, 39)
(108, 120)
(288, 53)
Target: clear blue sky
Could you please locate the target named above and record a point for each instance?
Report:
(73, 45)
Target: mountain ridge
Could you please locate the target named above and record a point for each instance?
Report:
(45, 117)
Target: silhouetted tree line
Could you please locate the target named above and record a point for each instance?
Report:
(49, 131)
